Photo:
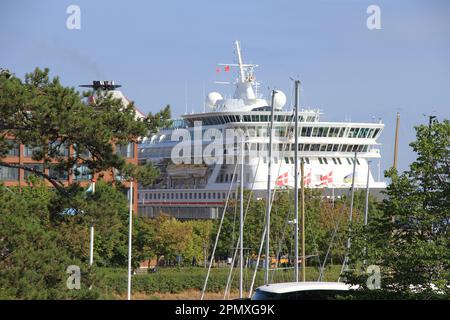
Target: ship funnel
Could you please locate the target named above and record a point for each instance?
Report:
(106, 85)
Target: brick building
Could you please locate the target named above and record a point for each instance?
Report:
(22, 154)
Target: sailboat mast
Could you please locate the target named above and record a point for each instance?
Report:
(241, 223)
(302, 170)
(269, 195)
(366, 207)
(297, 84)
(350, 218)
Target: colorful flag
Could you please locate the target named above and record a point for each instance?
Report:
(226, 68)
(326, 179)
(307, 178)
(282, 180)
(348, 178)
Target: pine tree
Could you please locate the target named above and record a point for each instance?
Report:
(410, 240)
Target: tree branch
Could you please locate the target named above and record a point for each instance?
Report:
(58, 185)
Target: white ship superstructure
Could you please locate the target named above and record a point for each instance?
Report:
(195, 189)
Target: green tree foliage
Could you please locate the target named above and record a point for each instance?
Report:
(44, 230)
(410, 240)
(167, 238)
(33, 251)
(41, 113)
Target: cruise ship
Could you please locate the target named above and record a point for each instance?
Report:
(194, 186)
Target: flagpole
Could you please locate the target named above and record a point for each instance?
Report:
(91, 237)
(129, 240)
(302, 170)
(297, 84)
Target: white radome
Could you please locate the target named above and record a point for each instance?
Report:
(279, 100)
(212, 98)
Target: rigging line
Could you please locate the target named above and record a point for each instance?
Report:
(234, 218)
(227, 287)
(275, 189)
(317, 248)
(322, 268)
(257, 261)
(283, 150)
(352, 192)
(280, 243)
(232, 240)
(263, 237)
(217, 236)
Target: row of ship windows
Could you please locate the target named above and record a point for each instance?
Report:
(307, 132)
(185, 196)
(307, 147)
(248, 118)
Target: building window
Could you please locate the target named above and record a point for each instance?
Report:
(14, 148)
(59, 174)
(9, 174)
(82, 173)
(58, 149)
(85, 154)
(28, 150)
(126, 151)
(36, 166)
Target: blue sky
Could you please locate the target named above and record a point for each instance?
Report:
(156, 49)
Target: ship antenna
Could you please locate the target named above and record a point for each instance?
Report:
(240, 64)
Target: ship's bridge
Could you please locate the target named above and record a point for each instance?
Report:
(262, 114)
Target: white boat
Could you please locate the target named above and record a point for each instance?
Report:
(303, 291)
(195, 189)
